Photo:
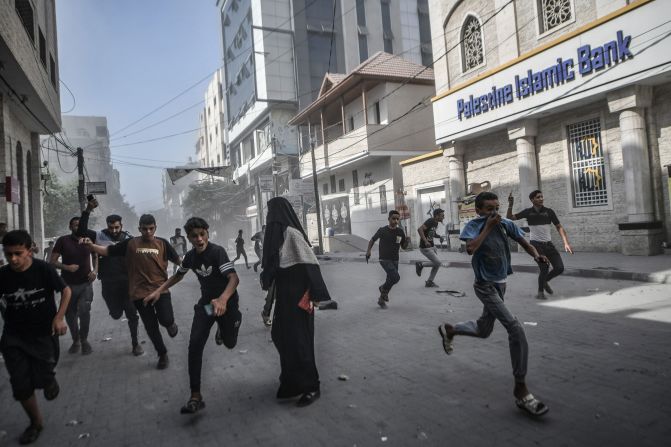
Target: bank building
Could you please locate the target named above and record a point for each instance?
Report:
(572, 97)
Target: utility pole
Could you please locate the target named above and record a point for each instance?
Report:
(81, 192)
(317, 206)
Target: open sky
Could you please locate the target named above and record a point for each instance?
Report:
(124, 58)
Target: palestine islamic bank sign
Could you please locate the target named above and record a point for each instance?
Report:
(629, 46)
(587, 61)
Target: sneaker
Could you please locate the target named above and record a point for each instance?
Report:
(541, 296)
(430, 284)
(172, 330)
(218, 339)
(548, 289)
(381, 303)
(86, 348)
(383, 294)
(266, 319)
(418, 268)
(137, 350)
(74, 348)
(163, 361)
(30, 434)
(51, 391)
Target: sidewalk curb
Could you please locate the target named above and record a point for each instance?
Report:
(657, 278)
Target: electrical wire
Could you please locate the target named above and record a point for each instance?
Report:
(74, 100)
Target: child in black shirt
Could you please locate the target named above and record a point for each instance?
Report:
(219, 301)
(391, 237)
(29, 342)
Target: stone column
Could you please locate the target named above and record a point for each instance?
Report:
(455, 185)
(524, 134)
(641, 234)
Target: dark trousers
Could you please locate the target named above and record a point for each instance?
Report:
(391, 268)
(240, 251)
(115, 294)
(228, 324)
(154, 314)
(549, 251)
(78, 315)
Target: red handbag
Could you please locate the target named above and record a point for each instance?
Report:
(305, 302)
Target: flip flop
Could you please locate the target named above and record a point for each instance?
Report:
(455, 293)
(192, 406)
(532, 405)
(447, 340)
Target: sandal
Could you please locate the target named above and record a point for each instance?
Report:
(447, 340)
(531, 405)
(192, 406)
(30, 434)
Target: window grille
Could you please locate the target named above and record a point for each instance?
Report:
(472, 43)
(588, 164)
(554, 13)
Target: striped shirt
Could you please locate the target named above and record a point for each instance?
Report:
(540, 222)
(212, 267)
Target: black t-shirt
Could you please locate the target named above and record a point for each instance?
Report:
(212, 267)
(28, 298)
(540, 222)
(429, 233)
(390, 242)
(239, 242)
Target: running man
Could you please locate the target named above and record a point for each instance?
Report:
(258, 246)
(426, 234)
(391, 237)
(540, 220)
(486, 240)
(240, 249)
(75, 267)
(147, 259)
(178, 242)
(29, 342)
(112, 272)
(218, 302)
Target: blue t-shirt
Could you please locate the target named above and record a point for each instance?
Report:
(491, 262)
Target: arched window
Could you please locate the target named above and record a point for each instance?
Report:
(471, 43)
(553, 13)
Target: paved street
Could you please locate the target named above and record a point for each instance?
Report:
(599, 358)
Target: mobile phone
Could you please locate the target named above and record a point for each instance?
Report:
(208, 309)
(90, 197)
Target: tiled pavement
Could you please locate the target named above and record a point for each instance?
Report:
(600, 359)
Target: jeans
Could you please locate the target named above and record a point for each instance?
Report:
(115, 294)
(491, 295)
(228, 324)
(154, 314)
(549, 251)
(432, 254)
(259, 254)
(391, 268)
(78, 315)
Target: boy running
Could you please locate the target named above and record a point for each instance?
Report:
(427, 232)
(540, 220)
(147, 259)
(29, 342)
(486, 239)
(218, 302)
(240, 249)
(391, 237)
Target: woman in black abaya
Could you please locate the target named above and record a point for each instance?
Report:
(289, 262)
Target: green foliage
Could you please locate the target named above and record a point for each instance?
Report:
(60, 205)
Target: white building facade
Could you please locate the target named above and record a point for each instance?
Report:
(211, 147)
(567, 96)
(29, 107)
